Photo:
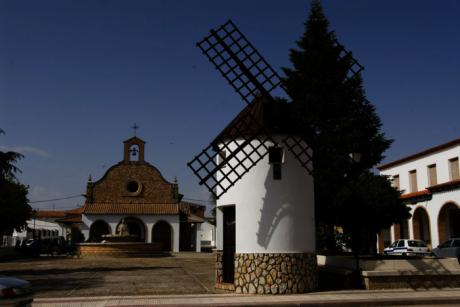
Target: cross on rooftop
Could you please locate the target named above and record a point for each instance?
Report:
(135, 127)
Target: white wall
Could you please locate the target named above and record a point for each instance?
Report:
(439, 199)
(208, 232)
(433, 207)
(441, 159)
(55, 229)
(149, 221)
(271, 215)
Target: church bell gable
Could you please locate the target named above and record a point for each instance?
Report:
(132, 181)
(133, 150)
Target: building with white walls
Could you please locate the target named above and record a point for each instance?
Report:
(430, 184)
(265, 221)
(49, 224)
(208, 233)
(134, 193)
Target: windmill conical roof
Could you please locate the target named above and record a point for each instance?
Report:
(263, 116)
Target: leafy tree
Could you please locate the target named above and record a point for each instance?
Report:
(14, 205)
(337, 119)
(369, 204)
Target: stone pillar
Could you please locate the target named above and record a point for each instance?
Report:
(276, 273)
(148, 235)
(198, 238)
(176, 231)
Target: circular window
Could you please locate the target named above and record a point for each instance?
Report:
(133, 187)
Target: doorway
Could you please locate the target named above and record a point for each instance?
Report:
(162, 233)
(229, 244)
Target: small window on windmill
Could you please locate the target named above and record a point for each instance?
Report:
(134, 153)
(222, 157)
(275, 158)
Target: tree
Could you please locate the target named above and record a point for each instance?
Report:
(369, 204)
(336, 119)
(14, 205)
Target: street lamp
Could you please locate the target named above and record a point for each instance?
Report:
(34, 212)
(355, 158)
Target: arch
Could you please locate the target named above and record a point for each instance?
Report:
(136, 227)
(97, 229)
(134, 151)
(162, 232)
(448, 222)
(76, 234)
(384, 239)
(421, 225)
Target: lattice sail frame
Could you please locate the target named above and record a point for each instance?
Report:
(220, 173)
(239, 62)
(250, 75)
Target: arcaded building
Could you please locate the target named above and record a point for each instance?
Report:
(135, 193)
(430, 184)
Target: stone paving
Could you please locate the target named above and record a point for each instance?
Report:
(444, 297)
(184, 273)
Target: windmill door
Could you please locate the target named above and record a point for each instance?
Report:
(229, 244)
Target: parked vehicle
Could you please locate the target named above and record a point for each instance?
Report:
(406, 247)
(450, 248)
(31, 247)
(15, 292)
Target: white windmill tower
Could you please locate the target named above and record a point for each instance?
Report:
(265, 197)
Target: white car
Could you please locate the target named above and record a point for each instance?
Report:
(406, 247)
(15, 292)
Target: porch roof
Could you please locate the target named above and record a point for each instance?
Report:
(127, 208)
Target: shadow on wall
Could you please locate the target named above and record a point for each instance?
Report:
(276, 207)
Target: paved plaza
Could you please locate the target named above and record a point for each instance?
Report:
(182, 279)
(184, 273)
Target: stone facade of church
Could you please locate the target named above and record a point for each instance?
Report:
(134, 193)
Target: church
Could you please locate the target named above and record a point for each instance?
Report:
(134, 197)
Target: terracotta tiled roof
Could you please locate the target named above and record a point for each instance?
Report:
(416, 194)
(194, 219)
(110, 208)
(71, 219)
(428, 192)
(420, 154)
(450, 185)
(50, 214)
(75, 211)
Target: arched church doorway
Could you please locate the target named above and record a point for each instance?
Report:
(162, 233)
(449, 222)
(97, 229)
(421, 225)
(136, 228)
(76, 235)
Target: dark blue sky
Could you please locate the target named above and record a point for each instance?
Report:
(75, 75)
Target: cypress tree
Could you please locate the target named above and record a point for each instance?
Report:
(335, 117)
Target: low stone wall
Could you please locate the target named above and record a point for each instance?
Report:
(132, 249)
(376, 280)
(275, 273)
(388, 273)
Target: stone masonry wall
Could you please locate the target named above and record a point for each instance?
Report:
(219, 266)
(275, 273)
(112, 187)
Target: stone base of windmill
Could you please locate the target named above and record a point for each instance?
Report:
(277, 273)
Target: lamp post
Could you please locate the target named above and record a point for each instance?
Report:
(34, 212)
(355, 158)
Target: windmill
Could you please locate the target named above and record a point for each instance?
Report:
(231, 167)
(250, 76)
